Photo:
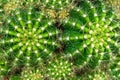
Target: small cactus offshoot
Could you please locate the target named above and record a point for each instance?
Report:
(59, 68)
(32, 74)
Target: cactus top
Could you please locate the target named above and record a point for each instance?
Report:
(27, 34)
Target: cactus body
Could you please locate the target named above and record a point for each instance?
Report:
(26, 39)
(32, 74)
(59, 68)
(89, 32)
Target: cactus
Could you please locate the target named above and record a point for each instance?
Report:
(28, 34)
(89, 35)
(58, 40)
(32, 74)
(59, 68)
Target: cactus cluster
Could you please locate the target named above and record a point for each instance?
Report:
(58, 40)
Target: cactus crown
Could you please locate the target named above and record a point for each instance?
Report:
(59, 68)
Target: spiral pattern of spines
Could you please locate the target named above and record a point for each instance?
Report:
(32, 74)
(29, 35)
(59, 68)
(92, 33)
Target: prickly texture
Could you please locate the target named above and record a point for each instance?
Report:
(57, 10)
(56, 4)
(59, 68)
(32, 74)
(114, 69)
(7, 6)
(98, 75)
(90, 34)
(115, 5)
(4, 68)
(28, 37)
(84, 34)
(27, 3)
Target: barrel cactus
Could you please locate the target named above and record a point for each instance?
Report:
(27, 38)
(58, 40)
(90, 33)
(59, 68)
(114, 68)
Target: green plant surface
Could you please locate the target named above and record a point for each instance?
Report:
(90, 33)
(58, 40)
(28, 37)
(59, 68)
(114, 69)
(56, 4)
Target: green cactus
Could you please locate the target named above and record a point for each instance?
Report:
(58, 40)
(32, 74)
(90, 35)
(59, 69)
(28, 37)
